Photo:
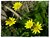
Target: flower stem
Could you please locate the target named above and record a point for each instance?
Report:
(17, 15)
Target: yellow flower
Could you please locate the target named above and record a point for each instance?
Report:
(29, 24)
(37, 28)
(10, 21)
(17, 5)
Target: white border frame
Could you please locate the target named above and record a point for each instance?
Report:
(24, 0)
(24, 37)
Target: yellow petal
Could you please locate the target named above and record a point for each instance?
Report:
(38, 31)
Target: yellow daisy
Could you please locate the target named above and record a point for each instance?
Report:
(37, 28)
(29, 24)
(10, 21)
(17, 5)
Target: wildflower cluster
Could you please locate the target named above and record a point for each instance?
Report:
(35, 27)
(12, 20)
